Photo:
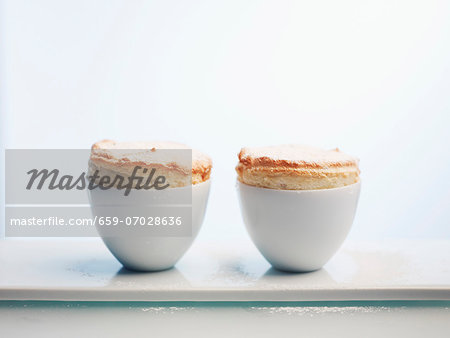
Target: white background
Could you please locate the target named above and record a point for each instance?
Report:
(369, 77)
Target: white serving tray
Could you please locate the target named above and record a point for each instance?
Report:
(84, 270)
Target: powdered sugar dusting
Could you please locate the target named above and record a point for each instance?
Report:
(146, 151)
(318, 310)
(297, 153)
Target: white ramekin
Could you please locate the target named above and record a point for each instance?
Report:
(298, 230)
(153, 253)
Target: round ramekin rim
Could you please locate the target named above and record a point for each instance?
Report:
(299, 190)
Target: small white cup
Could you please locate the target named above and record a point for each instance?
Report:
(154, 253)
(298, 230)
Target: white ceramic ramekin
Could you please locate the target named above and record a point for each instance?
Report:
(153, 253)
(298, 230)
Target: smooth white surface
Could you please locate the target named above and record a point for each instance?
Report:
(298, 230)
(370, 77)
(157, 320)
(152, 253)
(231, 271)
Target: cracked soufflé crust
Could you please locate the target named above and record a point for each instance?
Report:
(296, 167)
(179, 168)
